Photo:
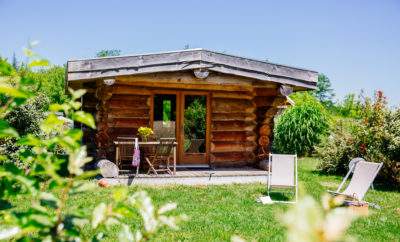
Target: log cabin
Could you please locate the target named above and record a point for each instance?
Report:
(219, 107)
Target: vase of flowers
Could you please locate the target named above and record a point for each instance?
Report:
(144, 133)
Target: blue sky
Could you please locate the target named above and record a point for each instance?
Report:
(355, 43)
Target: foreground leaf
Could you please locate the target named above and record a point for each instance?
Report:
(83, 187)
(51, 124)
(125, 235)
(6, 130)
(85, 118)
(48, 199)
(12, 92)
(77, 94)
(9, 233)
(77, 159)
(99, 215)
(39, 63)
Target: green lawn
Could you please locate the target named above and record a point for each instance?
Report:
(218, 212)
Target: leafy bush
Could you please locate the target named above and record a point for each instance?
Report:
(47, 219)
(339, 148)
(26, 119)
(51, 82)
(195, 119)
(195, 125)
(375, 137)
(350, 107)
(301, 127)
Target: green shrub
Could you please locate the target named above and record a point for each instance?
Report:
(301, 127)
(46, 217)
(375, 137)
(350, 107)
(51, 82)
(26, 119)
(339, 148)
(195, 119)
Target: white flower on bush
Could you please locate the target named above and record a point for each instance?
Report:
(143, 203)
(153, 219)
(308, 221)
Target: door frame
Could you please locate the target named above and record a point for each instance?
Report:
(179, 130)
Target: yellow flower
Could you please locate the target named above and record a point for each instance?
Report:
(145, 132)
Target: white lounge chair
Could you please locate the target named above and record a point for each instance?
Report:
(283, 173)
(364, 174)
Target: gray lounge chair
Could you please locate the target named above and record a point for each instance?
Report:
(364, 174)
(283, 173)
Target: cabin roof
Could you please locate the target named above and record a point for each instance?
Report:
(192, 59)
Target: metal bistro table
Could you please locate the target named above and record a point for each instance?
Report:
(117, 143)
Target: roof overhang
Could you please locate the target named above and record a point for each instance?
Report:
(99, 68)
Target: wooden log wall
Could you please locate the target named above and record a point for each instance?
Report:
(129, 109)
(127, 113)
(242, 116)
(117, 111)
(233, 121)
(242, 123)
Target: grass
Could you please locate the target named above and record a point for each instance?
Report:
(218, 212)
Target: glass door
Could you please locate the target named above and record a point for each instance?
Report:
(184, 116)
(164, 124)
(194, 129)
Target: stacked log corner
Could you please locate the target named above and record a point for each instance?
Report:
(268, 102)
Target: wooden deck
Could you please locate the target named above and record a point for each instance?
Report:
(219, 176)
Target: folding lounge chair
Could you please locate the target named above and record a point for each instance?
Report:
(364, 174)
(283, 173)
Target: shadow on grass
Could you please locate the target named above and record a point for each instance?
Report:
(324, 173)
(384, 187)
(279, 196)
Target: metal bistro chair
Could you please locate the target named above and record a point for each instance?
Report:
(124, 154)
(159, 161)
